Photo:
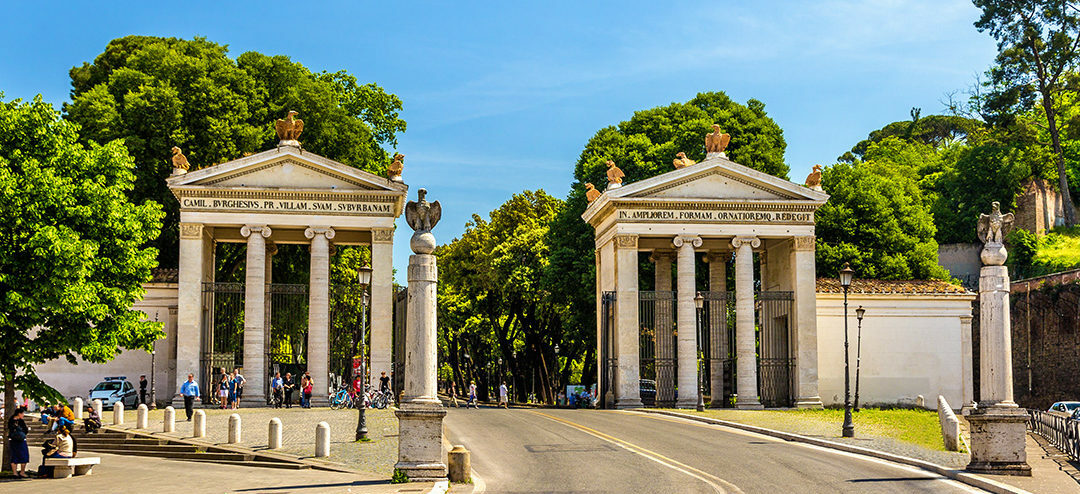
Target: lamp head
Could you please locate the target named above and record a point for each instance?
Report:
(845, 275)
(363, 275)
(699, 301)
(859, 313)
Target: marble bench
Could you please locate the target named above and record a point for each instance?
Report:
(65, 467)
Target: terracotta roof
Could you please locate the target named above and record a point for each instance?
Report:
(165, 275)
(832, 285)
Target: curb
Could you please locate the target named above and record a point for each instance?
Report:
(973, 480)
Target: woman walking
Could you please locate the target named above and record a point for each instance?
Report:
(223, 390)
(308, 385)
(20, 452)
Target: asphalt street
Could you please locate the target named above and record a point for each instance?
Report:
(546, 450)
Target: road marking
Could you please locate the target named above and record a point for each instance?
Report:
(720, 485)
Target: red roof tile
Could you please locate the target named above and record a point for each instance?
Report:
(832, 285)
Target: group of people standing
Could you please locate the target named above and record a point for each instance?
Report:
(230, 389)
(281, 390)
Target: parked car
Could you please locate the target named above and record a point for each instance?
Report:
(1075, 414)
(647, 388)
(1064, 408)
(114, 389)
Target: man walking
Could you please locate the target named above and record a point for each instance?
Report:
(289, 385)
(142, 389)
(453, 393)
(503, 400)
(189, 390)
(472, 396)
(277, 389)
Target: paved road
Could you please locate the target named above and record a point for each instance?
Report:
(523, 450)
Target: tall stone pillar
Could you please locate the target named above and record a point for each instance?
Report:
(318, 340)
(627, 330)
(967, 370)
(804, 272)
(382, 302)
(420, 433)
(196, 248)
(687, 321)
(271, 251)
(255, 314)
(998, 426)
(718, 349)
(745, 339)
(664, 348)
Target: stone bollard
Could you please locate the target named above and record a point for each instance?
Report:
(274, 434)
(234, 428)
(459, 464)
(169, 423)
(78, 409)
(199, 429)
(322, 440)
(118, 413)
(950, 425)
(142, 418)
(97, 408)
(920, 401)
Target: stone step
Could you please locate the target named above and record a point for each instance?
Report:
(176, 448)
(257, 463)
(179, 455)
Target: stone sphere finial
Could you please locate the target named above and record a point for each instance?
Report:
(422, 216)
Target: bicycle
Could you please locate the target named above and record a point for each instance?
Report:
(378, 399)
(341, 399)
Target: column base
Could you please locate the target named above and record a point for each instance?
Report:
(687, 403)
(254, 402)
(628, 403)
(813, 403)
(420, 438)
(998, 441)
(748, 404)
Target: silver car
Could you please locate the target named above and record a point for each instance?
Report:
(1064, 408)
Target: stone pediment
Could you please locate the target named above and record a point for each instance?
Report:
(285, 168)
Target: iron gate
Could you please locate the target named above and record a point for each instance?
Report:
(776, 360)
(717, 346)
(658, 340)
(397, 363)
(348, 331)
(286, 348)
(222, 333)
(608, 360)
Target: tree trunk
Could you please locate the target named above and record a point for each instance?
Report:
(1059, 160)
(9, 409)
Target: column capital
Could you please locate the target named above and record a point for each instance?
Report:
(326, 231)
(382, 235)
(717, 256)
(191, 230)
(661, 254)
(751, 241)
(626, 241)
(692, 240)
(247, 230)
(803, 243)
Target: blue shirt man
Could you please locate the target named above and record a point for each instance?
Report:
(189, 390)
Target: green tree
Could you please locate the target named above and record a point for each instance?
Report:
(1037, 46)
(156, 93)
(72, 249)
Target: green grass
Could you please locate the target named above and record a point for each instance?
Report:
(1061, 247)
(918, 427)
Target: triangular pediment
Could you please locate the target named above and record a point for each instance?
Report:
(283, 168)
(717, 179)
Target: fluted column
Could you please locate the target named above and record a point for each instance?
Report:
(318, 344)
(382, 302)
(803, 267)
(664, 347)
(717, 324)
(255, 314)
(627, 329)
(196, 267)
(686, 321)
(745, 341)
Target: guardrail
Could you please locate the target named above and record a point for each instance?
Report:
(1062, 432)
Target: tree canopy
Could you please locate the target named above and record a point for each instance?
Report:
(156, 93)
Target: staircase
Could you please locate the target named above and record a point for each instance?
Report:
(125, 443)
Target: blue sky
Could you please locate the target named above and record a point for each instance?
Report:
(501, 97)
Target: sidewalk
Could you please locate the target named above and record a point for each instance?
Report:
(1051, 471)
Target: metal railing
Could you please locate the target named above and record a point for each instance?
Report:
(1062, 432)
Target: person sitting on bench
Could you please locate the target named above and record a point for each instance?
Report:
(92, 422)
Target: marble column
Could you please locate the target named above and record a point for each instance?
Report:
(196, 248)
(271, 251)
(627, 329)
(382, 303)
(255, 314)
(745, 339)
(718, 343)
(967, 392)
(318, 340)
(686, 321)
(804, 272)
(663, 326)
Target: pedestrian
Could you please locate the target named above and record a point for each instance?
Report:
(288, 384)
(223, 390)
(240, 381)
(20, 452)
(472, 395)
(504, 401)
(453, 393)
(307, 384)
(384, 387)
(231, 385)
(142, 389)
(189, 390)
(277, 388)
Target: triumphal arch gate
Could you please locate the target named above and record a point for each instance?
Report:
(744, 331)
(282, 196)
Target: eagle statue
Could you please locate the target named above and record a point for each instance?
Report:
(422, 215)
(993, 226)
(591, 194)
(813, 180)
(289, 128)
(681, 161)
(179, 161)
(396, 167)
(716, 142)
(614, 174)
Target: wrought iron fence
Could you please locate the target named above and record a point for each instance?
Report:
(776, 358)
(286, 346)
(222, 333)
(348, 330)
(397, 364)
(1062, 432)
(658, 340)
(608, 360)
(717, 346)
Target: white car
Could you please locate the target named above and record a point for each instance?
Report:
(1064, 408)
(114, 389)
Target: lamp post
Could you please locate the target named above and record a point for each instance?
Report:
(858, 352)
(363, 277)
(849, 427)
(556, 373)
(699, 304)
(153, 369)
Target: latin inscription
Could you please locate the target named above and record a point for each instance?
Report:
(287, 206)
(715, 216)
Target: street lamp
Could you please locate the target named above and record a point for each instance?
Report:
(699, 304)
(556, 373)
(153, 368)
(363, 277)
(858, 353)
(849, 427)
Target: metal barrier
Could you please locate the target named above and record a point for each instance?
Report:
(1062, 432)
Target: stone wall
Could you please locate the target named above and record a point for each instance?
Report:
(1038, 207)
(962, 261)
(1045, 344)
